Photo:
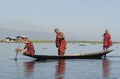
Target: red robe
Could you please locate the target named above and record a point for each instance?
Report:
(30, 48)
(60, 43)
(107, 42)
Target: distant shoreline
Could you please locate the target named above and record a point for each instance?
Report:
(72, 41)
(69, 41)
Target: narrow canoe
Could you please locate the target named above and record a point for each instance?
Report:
(93, 55)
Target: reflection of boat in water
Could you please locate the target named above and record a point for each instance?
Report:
(60, 69)
(106, 69)
(94, 55)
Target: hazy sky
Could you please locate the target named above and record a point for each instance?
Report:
(83, 19)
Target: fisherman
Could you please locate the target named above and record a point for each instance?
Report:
(60, 42)
(29, 47)
(107, 42)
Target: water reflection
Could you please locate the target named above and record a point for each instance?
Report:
(60, 69)
(106, 69)
(29, 68)
(25, 70)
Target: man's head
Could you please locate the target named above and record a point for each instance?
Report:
(106, 30)
(56, 30)
(22, 38)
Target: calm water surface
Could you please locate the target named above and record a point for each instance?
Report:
(28, 68)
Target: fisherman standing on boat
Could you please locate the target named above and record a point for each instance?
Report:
(28, 45)
(107, 42)
(60, 42)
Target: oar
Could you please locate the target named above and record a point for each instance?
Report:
(17, 51)
(16, 55)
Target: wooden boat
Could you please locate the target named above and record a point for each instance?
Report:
(94, 55)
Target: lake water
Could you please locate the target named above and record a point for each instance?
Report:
(28, 68)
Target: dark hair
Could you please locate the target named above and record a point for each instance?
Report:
(23, 37)
(18, 36)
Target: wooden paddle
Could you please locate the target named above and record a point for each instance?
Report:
(17, 50)
(16, 56)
